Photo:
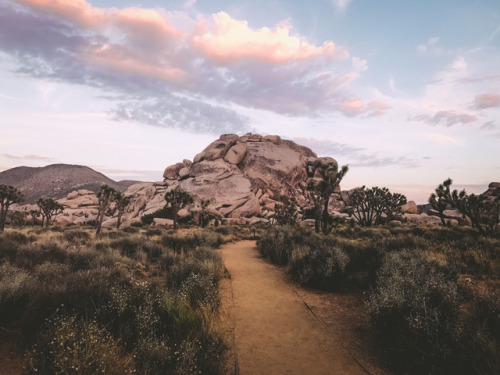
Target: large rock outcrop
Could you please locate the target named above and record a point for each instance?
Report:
(242, 176)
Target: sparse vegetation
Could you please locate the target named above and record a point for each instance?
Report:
(117, 303)
(432, 292)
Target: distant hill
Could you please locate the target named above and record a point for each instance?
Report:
(57, 180)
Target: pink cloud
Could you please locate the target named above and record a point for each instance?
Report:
(118, 59)
(487, 101)
(352, 108)
(139, 50)
(377, 108)
(148, 22)
(227, 40)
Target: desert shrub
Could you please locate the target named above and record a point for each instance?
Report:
(18, 237)
(278, 242)
(478, 347)
(322, 267)
(127, 246)
(200, 291)
(69, 345)
(150, 232)
(203, 262)
(34, 254)
(8, 248)
(131, 229)
(77, 236)
(184, 243)
(415, 308)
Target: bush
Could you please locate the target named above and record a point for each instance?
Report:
(415, 308)
(69, 345)
(321, 267)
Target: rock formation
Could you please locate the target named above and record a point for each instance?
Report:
(242, 176)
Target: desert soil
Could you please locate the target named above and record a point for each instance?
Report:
(277, 327)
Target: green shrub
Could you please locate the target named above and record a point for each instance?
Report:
(415, 309)
(322, 267)
(69, 345)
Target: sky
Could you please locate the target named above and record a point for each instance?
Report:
(405, 93)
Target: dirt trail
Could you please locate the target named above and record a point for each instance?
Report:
(274, 331)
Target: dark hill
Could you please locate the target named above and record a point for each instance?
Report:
(56, 181)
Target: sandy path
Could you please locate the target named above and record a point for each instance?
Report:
(274, 331)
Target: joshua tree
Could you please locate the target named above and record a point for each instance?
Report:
(177, 198)
(321, 190)
(8, 195)
(48, 209)
(121, 202)
(205, 215)
(441, 198)
(34, 214)
(106, 196)
(369, 204)
(286, 213)
(484, 213)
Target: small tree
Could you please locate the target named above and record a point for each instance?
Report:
(106, 196)
(205, 215)
(49, 208)
(286, 213)
(484, 213)
(121, 203)
(368, 205)
(8, 196)
(34, 214)
(441, 199)
(322, 189)
(177, 198)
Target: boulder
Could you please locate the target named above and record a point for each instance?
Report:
(422, 219)
(250, 208)
(217, 149)
(184, 173)
(183, 213)
(172, 172)
(158, 221)
(409, 208)
(236, 153)
(72, 195)
(276, 139)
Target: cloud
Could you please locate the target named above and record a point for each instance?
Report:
(447, 118)
(180, 112)
(30, 157)
(489, 100)
(226, 40)
(354, 156)
(442, 139)
(490, 125)
(376, 161)
(151, 54)
(357, 107)
(326, 147)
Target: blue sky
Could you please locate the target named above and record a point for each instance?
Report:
(406, 93)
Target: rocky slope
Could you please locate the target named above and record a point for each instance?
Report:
(56, 181)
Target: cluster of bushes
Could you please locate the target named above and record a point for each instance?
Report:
(419, 284)
(120, 303)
